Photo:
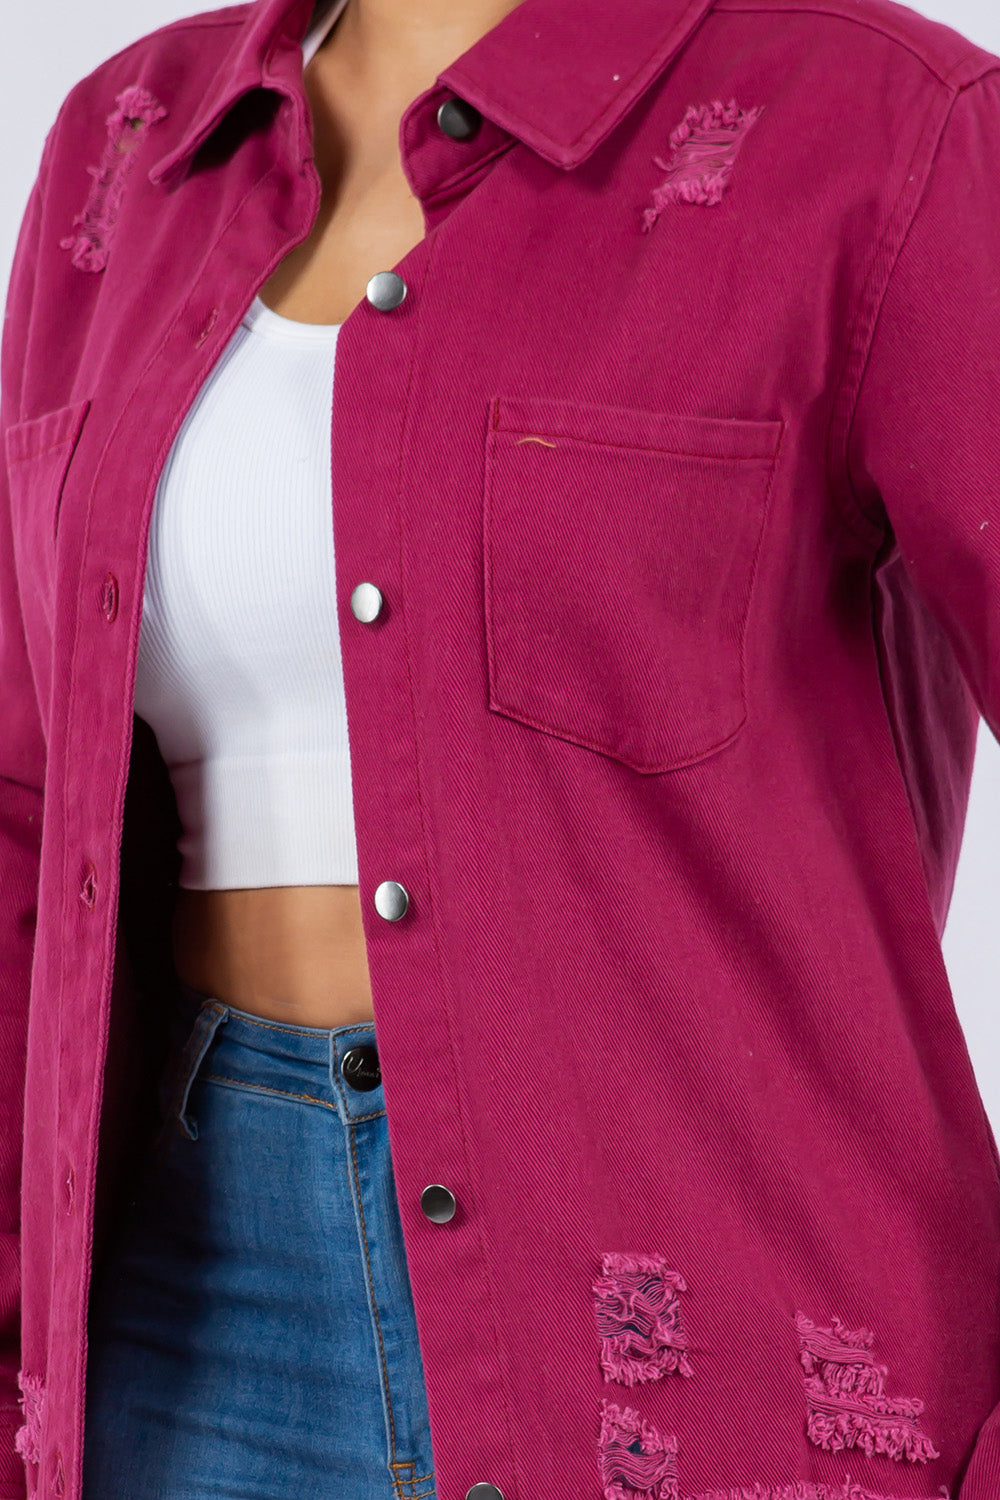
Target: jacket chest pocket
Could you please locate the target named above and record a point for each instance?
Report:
(620, 549)
(38, 453)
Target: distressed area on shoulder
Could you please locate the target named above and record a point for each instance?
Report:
(85, 106)
(945, 52)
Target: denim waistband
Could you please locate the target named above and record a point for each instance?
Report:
(189, 1001)
(314, 1064)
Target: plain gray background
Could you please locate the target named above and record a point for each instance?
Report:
(49, 47)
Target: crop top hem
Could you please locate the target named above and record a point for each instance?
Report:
(251, 821)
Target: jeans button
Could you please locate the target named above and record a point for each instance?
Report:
(360, 1067)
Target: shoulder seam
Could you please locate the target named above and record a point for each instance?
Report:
(952, 78)
(872, 298)
(991, 66)
(230, 15)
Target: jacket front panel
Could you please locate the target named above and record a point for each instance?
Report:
(655, 726)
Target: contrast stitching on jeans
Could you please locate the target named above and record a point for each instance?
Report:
(263, 1088)
(240, 1083)
(378, 1324)
(410, 1463)
(242, 1015)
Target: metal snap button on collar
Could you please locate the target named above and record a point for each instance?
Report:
(459, 119)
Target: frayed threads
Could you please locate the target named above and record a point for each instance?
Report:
(705, 145)
(28, 1437)
(639, 1318)
(135, 111)
(801, 1489)
(845, 1394)
(636, 1461)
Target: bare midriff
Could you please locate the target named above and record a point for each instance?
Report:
(297, 953)
(292, 953)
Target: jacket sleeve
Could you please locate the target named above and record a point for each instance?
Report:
(924, 452)
(22, 773)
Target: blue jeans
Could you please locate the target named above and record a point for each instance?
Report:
(252, 1333)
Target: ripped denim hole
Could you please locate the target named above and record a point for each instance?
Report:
(704, 145)
(846, 1399)
(136, 109)
(28, 1437)
(636, 1461)
(639, 1318)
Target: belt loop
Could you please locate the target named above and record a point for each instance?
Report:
(207, 1022)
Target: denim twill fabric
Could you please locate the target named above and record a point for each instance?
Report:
(253, 1336)
(677, 473)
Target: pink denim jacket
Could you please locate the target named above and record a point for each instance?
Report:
(677, 470)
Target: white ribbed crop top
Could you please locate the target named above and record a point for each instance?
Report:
(239, 670)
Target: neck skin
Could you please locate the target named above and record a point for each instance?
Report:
(396, 48)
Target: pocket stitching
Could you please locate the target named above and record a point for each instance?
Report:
(507, 416)
(495, 699)
(637, 447)
(72, 415)
(71, 418)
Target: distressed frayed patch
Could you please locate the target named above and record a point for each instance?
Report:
(636, 1461)
(639, 1318)
(135, 111)
(845, 1395)
(28, 1437)
(704, 145)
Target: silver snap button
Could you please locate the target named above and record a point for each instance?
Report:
(391, 900)
(484, 1491)
(438, 1203)
(366, 602)
(385, 290)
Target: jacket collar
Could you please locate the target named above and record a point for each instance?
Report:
(557, 74)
